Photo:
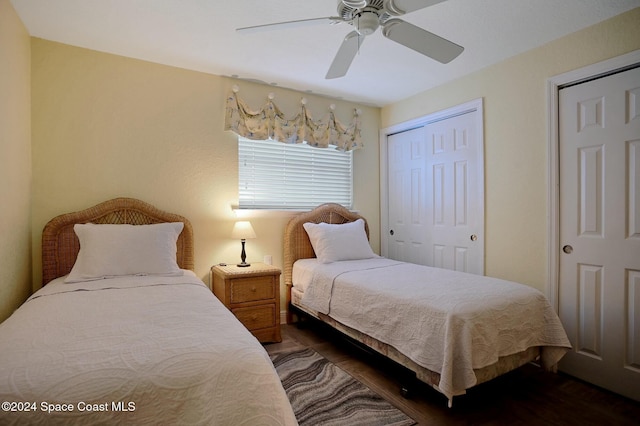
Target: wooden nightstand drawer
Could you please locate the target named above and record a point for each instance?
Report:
(257, 317)
(253, 295)
(251, 289)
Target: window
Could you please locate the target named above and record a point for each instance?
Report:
(276, 175)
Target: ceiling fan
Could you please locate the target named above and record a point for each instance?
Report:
(366, 16)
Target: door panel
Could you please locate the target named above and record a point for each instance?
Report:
(599, 303)
(454, 188)
(407, 202)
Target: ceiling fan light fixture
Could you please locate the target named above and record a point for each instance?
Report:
(356, 4)
(367, 23)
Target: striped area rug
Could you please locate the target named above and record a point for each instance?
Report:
(323, 394)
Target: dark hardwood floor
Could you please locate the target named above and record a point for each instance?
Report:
(527, 396)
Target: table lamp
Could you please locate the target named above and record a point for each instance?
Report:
(243, 230)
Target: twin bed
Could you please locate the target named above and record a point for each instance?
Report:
(454, 330)
(123, 332)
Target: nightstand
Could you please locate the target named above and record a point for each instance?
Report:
(253, 295)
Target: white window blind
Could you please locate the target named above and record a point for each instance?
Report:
(276, 175)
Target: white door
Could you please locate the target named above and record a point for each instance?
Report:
(454, 191)
(408, 230)
(436, 194)
(599, 271)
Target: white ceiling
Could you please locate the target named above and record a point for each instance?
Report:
(200, 35)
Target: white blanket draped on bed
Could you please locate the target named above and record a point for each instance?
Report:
(446, 321)
(164, 348)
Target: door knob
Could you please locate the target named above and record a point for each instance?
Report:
(473, 237)
(391, 232)
(567, 249)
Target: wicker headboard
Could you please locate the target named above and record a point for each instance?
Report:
(60, 244)
(296, 241)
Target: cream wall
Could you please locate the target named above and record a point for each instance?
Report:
(516, 152)
(15, 161)
(106, 126)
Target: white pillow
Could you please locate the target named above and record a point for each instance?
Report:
(347, 241)
(108, 251)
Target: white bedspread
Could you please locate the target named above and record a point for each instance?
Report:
(140, 350)
(447, 321)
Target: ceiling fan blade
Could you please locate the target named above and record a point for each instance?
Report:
(422, 41)
(290, 24)
(400, 7)
(348, 50)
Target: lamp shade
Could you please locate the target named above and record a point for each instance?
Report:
(243, 230)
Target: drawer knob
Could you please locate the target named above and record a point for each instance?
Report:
(253, 289)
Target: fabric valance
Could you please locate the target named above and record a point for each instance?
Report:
(270, 123)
